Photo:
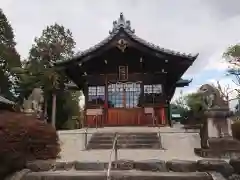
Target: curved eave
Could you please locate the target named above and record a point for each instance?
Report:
(183, 82)
(134, 37)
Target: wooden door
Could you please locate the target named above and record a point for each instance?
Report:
(124, 99)
(124, 117)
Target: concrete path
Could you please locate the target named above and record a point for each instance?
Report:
(177, 144)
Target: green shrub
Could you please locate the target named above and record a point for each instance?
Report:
(24, 138)
(236, 130)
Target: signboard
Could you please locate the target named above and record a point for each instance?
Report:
(123, 73)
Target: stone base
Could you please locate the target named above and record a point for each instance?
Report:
(133, 170)
(210, 153)
(226, 147)
(218, 123)
(224, 143)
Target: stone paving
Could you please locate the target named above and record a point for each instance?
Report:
(177, 161)
(176, 142)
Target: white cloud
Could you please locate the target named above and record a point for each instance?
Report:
(189, 26)
(216, 62)
(224, 81)
(207, 27)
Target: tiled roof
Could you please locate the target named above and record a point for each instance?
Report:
(125, 25)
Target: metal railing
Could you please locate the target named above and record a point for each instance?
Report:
(85, 138)
(86, 131)
(159, 138)
(96, 121)
(114, 149)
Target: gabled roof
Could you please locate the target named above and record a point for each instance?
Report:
(125, 25)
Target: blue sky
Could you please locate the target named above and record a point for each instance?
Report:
(206, 27)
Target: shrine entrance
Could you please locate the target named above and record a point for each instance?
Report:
(126, 80)
(124, 103)
(124, 95)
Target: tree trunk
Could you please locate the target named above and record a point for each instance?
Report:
(45, 110)
(54, 110)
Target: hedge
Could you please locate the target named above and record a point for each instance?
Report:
(24, 138)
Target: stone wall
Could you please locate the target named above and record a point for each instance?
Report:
(202, 169)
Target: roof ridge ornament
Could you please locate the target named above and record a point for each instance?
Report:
(121, 23)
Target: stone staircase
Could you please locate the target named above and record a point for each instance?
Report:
(125, 141)
(129, 170)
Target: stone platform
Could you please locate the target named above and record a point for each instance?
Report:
(176, 144)
(176, 161)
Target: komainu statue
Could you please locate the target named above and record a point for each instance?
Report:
(212, 98)
(34, 102)
(217, 123)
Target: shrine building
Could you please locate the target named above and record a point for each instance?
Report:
(126, 80)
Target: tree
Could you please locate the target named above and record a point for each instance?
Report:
(194, 102)
(181, 101)
(225, 92)
(55, 43)
(9, 58)
(232, 56)
(72, 107)
(179, 105)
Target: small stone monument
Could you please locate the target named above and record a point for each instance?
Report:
(216, 133)
(33, 105)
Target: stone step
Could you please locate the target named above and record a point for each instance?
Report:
(124, 146)
(138, 137)
(123, 141)
(126, 175)
(125, 136)
(103, 138)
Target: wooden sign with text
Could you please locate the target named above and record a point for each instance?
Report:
(123, 73)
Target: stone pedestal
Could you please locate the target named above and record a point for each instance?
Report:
(216, 136)
(218, 123)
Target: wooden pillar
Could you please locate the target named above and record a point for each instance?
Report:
(164, 105)
(85, 92)
(169, 114)
(106, 101)
(124, 97)
(141, 99)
